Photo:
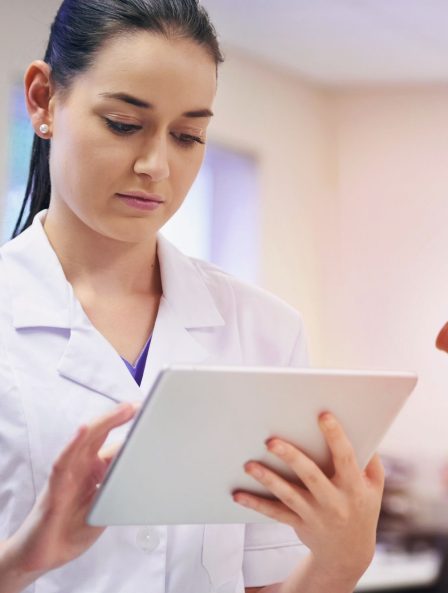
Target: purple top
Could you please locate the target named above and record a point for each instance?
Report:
(137, 370)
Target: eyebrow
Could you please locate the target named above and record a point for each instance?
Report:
(145, 105)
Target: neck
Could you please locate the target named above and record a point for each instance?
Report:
(99, 264)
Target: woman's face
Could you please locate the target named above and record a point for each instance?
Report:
(128, 139)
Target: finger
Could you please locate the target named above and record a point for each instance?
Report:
(375, 472)
(67, 457)
(64, 465)
(306, 470)
(291, 495)
(116, 417)
(100, 428)
(271, 508)
(343, 455)
(108, 453)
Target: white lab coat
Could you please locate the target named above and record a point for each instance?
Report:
(57, 372)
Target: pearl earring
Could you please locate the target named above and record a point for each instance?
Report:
(44, 129)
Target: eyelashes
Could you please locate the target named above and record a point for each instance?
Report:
(123, 129)
(187, 138)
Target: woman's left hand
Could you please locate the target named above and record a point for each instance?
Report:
(335, 517)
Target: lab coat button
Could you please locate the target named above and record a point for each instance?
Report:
(147, 539)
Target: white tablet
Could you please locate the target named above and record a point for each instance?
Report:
(184, 455)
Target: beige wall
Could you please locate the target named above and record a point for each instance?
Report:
(392, 259)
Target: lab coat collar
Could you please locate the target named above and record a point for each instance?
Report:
(186, 306)
(45, 303)
(42, 298)
(39, 289)
(184, 288)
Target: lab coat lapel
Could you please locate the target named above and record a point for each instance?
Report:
(185, 308)
(171, 343)
(90, 360)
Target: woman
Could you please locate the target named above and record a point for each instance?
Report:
(93, 303)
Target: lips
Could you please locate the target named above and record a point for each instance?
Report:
(142, 196)
(141, 201)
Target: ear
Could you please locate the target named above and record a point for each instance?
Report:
(38, 95)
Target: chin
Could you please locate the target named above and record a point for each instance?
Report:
(132, 230)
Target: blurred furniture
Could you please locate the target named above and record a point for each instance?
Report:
(412, 550)
(403, 571)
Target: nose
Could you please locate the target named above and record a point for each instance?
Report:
(153, 161)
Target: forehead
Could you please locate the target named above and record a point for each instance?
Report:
(169, 73)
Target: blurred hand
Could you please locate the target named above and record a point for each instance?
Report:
(335, 517)
(442, 338)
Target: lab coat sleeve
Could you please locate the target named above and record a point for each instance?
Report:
(272, 551)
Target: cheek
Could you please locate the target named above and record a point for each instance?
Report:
(82, 162)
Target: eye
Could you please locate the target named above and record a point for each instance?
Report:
(187, 139)
(120, 127)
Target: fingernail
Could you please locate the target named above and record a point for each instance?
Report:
(255, 471)
(327, 419)
(276, 447)
(242, 500)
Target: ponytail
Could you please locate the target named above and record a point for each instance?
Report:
(38, 187)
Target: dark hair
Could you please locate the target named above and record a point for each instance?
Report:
(79, 31)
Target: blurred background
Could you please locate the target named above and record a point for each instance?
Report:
(326, 182)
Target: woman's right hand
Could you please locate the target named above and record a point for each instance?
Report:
(56, 531)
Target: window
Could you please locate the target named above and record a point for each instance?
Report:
(219, 220)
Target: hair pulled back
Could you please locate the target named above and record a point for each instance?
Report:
(80, 30)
